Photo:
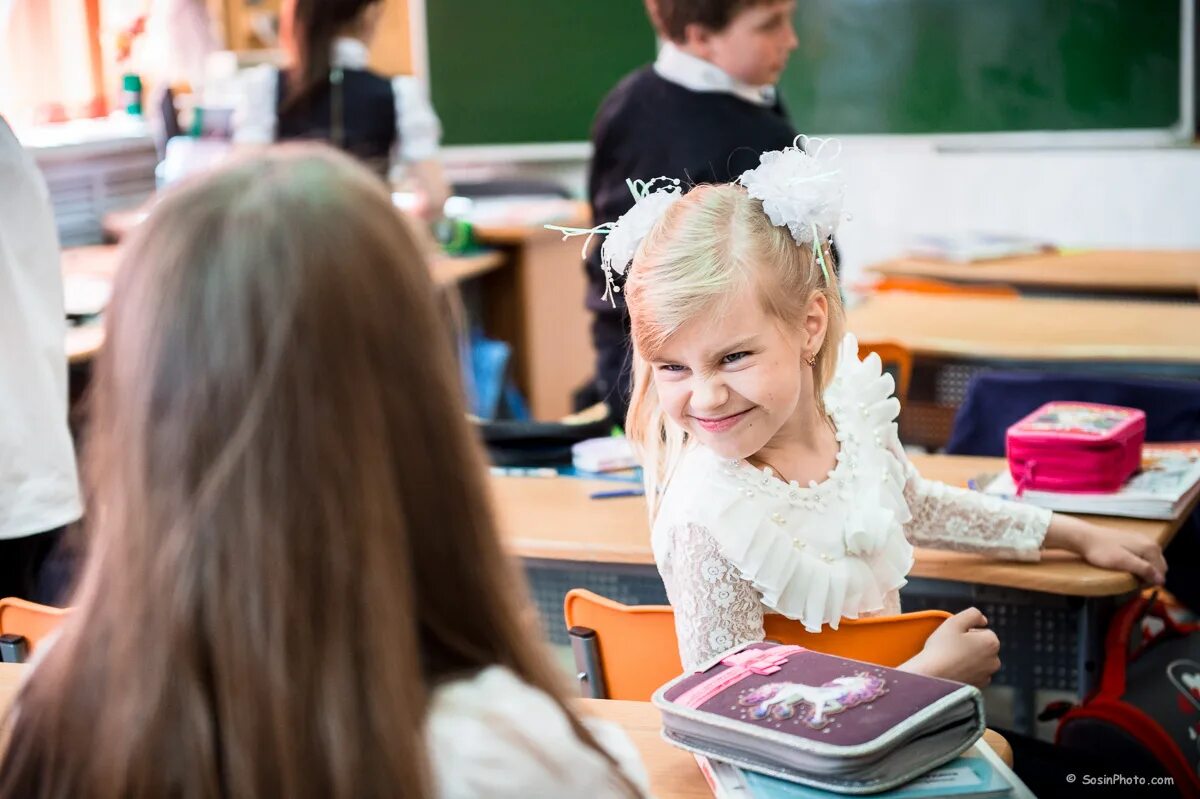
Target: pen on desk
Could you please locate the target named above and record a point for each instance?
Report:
(624, 492)
(523, 471)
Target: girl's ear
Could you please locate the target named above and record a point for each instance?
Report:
(816, 322)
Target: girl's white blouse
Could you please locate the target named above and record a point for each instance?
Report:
(732, 540)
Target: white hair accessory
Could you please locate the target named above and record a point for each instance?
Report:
(801, 189)
(624, 235)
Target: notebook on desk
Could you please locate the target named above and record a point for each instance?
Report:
(974, 247)
(1166, 484)
(971, 776)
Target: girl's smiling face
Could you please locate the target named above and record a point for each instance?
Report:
(737, 379)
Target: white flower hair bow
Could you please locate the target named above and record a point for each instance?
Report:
(799, 186)
(624, 235)
(801, 189)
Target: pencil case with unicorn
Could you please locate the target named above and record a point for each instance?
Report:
(1076, 447)
(828, 722)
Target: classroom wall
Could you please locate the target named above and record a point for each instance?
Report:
(1119, 198)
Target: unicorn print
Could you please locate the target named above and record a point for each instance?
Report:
(816, 703)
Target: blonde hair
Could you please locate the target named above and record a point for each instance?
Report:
(708, 245)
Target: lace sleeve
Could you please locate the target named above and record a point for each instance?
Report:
(715, 607)
(946, 517)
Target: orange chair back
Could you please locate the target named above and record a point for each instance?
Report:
(638, 649)
(896, 355)
(34, 621)
(924, 285)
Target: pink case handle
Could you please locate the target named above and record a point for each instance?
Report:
(741, 665)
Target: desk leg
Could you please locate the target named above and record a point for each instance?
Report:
(1093, 627)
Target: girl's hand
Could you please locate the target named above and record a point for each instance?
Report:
(1109, 549)
(961, 649)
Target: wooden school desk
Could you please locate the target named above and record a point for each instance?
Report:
(11, 675)
(1050, 615)
(951, 337)
(535, 303)
(1171, 273)
(1031, 329)
(673, 772)
(99, 262)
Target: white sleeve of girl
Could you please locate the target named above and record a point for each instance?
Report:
(715, 607)
(946, 517)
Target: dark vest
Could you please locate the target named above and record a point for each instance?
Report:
(368, 117)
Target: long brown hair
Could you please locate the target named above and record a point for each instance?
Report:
(290, 542)
(314, 25)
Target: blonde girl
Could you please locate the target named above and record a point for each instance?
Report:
(775, 476)
(294, 585)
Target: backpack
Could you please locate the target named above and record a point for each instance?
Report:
(1144, 717)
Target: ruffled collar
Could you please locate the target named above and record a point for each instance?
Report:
(818, 553)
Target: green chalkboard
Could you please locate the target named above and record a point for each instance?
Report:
(517, 71)
(964, 66)
(534, 71)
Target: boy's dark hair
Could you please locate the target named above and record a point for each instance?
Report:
(670, 18)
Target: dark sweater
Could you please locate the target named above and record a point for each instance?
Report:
(647, 127)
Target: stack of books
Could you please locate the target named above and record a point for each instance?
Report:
(976, 247)
(977, 774)
(1164, 488)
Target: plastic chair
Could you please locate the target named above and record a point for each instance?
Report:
(894, 355)
(629, 651)
(923, 285)
(29, 619)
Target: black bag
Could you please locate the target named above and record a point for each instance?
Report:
(1144, 718)
(513, 443)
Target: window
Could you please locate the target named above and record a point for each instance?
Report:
(50, 60)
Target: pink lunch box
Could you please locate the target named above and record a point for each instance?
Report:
(1076, 447)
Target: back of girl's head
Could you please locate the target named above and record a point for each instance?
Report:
(707, 246)
(290, 539)
(311, 27)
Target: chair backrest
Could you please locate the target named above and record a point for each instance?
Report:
(511, 187)
(637, 649)
(925, 285)
(893, 355)
(995, 400)
(34, 621)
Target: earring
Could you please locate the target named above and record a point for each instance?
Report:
(812, 361)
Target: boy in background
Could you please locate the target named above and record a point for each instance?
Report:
(703, 112)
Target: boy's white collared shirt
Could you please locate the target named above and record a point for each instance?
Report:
(698, 75)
